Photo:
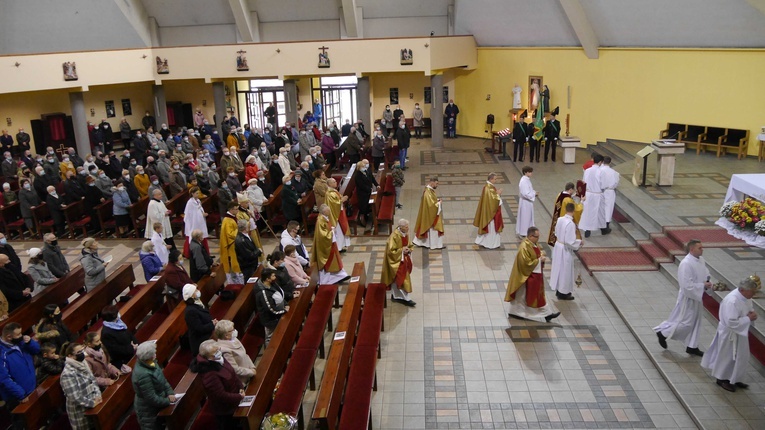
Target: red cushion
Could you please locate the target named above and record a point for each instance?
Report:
(82, 222)
(358, 391)
(205, 420)
(289, 395)
(16, 224)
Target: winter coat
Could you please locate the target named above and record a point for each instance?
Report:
(41, 275)
(200, 325)
(118, 343)
(151, 394)
(150, 263)
(221, 384)
(268, 310)
(55, 260)
(95, 271)
(102, 370)
(17, 370)
(81, 390)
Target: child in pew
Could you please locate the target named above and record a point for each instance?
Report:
(49, 364)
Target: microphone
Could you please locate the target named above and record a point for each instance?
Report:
(673, 136)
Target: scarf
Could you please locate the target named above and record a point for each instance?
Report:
(116, 324)
(79, 366)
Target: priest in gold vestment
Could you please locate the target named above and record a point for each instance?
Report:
(429, 229)
(488, 216)
(325, 253)
(337, 215)
(228, 232)
(564, 198)
(526, 290)
(397, 266)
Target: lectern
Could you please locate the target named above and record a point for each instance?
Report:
(665, 167)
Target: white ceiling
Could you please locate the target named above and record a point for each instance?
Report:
(31, 26)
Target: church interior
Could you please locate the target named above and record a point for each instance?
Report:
(625, 77)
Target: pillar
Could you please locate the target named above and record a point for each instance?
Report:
(290, 101)
(219, 98)
(363, 103)
(160, 105)
(437, 110)
(80, 124)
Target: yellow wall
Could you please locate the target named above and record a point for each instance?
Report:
(140, 95)
(22, 108)
(194, 91)
(415, 83)
(625, 94)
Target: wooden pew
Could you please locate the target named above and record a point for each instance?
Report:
(76, 218)
(37, 410)
(43, 220)
(77, 315)
(306, 210)
(179, 414)
(271, 365)
(105, 217)
(30, 312)
(210, 205)
(118, 397)
(12, 220)
(137, 212)
(273, 209)
(327, 410)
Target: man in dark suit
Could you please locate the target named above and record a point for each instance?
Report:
(275, 173)
(23, 139)
(56, 207)
(247, 253)
(41, 182)
(290, 200)
(552, 133)
(72, 188)
(520, 137)
(12, 285)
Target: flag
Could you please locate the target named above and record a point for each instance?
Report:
(539, 121)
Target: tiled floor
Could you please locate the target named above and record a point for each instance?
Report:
(456, 361)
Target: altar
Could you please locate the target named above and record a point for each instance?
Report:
(742, 186)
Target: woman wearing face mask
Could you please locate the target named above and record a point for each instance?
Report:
(152, 391)
(418, 121)
(94, 266)
(117, 339)
(276, 263)
(198, 319)
(294, 268)
(176, 277)
(98, 361)
(79, 386)
(28, 199)
(39, 271)
(51, 329)
(233, 350)
(121, 208)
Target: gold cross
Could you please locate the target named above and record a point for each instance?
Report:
(61, 149)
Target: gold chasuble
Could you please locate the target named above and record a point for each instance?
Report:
(525, 262)
(559, 211)
(428, 216)
(228, 232)
(489, 209)
(325, 253)
(397, 266)
(334, 200)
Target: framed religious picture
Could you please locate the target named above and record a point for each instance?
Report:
(428, 95)
(535, 92)
(241, 61)
(70, 71)
(406, 57)
(126, 108)
(446, 94)
(110, 112)
(162, 67)
(323, 58)
(394, 96)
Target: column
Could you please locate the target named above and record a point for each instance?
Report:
(80, 124)
(437, 110)
(160, 105)
(219, 98)
(290, 101)
(363, 104)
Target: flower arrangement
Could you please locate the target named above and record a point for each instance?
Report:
(759, 228)
(280, 421)
(745, 214)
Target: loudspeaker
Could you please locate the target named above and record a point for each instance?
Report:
(490, 119)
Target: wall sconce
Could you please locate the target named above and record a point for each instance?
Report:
(17, 64)
(92, 112)
(488, 96)
(278, 51)
(8, 121)
(204, 102)
(411, 96)
(427, 45)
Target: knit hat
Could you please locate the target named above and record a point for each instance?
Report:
(154, 178)
(34, 252)
(188, 291)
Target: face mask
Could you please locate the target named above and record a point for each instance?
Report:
(102, 175)
(66, 159)
(140, 172)
(164, 127)
(282, 264)
(225, 185)
(232, 174)
(176, 167)
(212, 166)
(234, 335)
(185, 139)
(40, 160)
(120, 189)
(388, 109)
(50, 160)
(27, 186)
(138, 136)
(127, 177)
(155, 182)
(42, 173)
(3, 241)
(288, 182)
(416, 106)
(226, 153)
(17, 341)
(133, 163)
(57, 317)
(92, 184)
(80, 356)
(363, 169)
(97, 347)
(218, 356)
(198, 294)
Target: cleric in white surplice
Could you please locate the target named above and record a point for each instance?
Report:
(526, 197)
(562, 275)
(728, 355)
(684, 322)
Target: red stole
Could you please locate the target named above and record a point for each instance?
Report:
(342, 220)
(499, 224)
(334, 254)
(405, 267)
(535, 287)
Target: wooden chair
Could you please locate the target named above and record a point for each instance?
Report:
(12, 220)
(43, 220)
(76, 218)
(137, 212)
(105, 213)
